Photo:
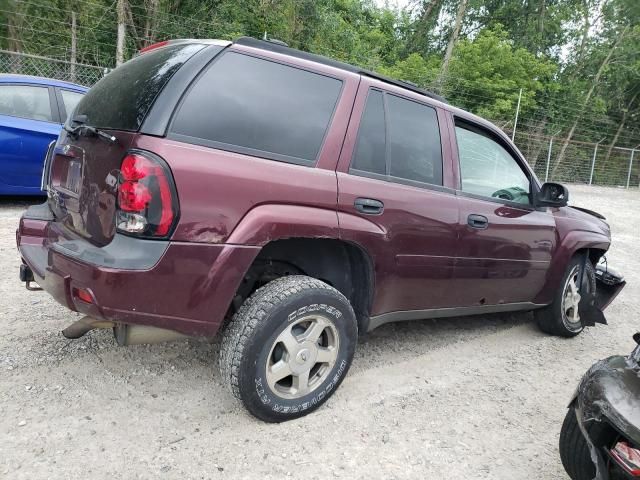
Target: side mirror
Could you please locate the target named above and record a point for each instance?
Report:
(552, 195)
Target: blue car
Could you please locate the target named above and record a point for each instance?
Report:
(32, 111)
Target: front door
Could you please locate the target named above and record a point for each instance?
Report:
(505, 244)
(393, 202)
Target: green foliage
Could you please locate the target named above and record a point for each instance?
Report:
(487, 73)
(547, 48)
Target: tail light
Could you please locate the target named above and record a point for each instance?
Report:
(627, 457)
(147, 200)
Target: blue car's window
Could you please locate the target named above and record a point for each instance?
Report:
(70, 100)
(25, 101)
(122, 99)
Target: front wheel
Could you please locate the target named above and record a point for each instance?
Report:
(289, 347)
(562, 317)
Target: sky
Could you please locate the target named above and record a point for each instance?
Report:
(399, 3)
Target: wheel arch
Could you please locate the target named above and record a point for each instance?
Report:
(575, 243)
(344, 265)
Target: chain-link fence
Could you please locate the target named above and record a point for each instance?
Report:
(555, 159)
(26, 64)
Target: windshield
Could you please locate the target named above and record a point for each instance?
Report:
(121, 100)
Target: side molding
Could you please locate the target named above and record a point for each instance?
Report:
(375, 322)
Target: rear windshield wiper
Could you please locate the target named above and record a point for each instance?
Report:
(82, 129)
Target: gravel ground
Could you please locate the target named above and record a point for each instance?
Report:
(474, 397)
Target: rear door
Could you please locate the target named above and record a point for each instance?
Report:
(29, 120)
(505, 244)
(394, 199)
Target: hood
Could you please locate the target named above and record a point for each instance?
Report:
(590, 212)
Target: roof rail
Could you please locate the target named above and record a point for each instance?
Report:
(279, 48)
(404, 84)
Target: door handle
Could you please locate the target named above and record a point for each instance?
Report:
(479, 222)
(369, 206)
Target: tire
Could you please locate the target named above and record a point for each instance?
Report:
(270, 344)
(574, 449)
(554, 318)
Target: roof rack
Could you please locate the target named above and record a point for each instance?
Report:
(279, 48)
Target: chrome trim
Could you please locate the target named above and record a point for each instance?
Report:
(405, 315)
(46, 168)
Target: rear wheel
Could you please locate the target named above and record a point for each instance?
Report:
(562, 317)
(288, 347)
(574, 449)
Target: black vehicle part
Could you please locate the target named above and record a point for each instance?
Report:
(610, 283)
(606, 409)
(575, 452)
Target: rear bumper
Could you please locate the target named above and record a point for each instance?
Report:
(186, 287)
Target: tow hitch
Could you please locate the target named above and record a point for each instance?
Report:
(26, 275)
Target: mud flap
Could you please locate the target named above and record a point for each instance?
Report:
(609, 283)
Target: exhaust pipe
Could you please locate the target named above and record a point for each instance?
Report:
(124, 334)
(80, 327)
(143, 334)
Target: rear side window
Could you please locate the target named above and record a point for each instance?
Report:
(370, 154)
(258, 107)
(122, 99)
(414, 141)
(25, 101)
(400, 139)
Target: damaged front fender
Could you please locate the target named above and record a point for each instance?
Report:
(609, 283)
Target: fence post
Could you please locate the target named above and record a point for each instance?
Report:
(593, 162)
(630, 165)
(546, 173)
(515, 123)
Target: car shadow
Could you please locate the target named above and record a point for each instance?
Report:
(20, 201)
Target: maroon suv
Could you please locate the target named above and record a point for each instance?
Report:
(291, 202)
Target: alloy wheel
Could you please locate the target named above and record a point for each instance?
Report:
(302, 356)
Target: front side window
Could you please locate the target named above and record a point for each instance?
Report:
(259, 107)
(25, 101)
(488, 169)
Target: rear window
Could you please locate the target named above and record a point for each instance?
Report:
(122, 99)
(258, 107)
